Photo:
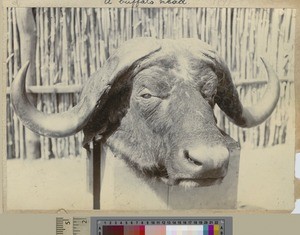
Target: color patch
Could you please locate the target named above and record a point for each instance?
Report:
(134, 230)
(155, 230)
(216, 229)
(113, 230)
(184, 230)
(205, 229)
(210, 230)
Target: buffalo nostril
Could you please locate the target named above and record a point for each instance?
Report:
(191, 160)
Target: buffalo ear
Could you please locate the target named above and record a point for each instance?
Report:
(114, 74)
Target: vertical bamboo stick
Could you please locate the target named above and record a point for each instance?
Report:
(21, 136)
(12, 129)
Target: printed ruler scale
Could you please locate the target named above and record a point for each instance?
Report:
(73, 226)
(81, 226)
(63, 226)
(144, 226)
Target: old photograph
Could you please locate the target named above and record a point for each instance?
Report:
(150, 109)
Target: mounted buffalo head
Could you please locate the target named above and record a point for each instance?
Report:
(152, 103)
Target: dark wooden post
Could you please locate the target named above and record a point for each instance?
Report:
(94, 172)
(27, 32)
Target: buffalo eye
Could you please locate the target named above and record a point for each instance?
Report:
(146, 96)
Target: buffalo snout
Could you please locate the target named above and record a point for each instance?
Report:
(200, 165)
(206, 162)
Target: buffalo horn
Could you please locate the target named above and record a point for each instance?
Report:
(228, 100)
(52, 125)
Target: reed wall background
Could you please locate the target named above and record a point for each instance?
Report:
(72, 43)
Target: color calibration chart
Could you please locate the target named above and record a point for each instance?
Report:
(162, 226)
